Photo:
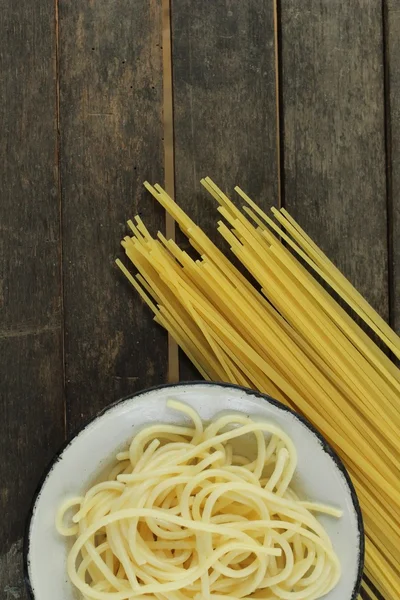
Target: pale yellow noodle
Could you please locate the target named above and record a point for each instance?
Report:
(185, 518)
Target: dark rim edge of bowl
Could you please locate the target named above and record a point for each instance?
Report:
(325, 445)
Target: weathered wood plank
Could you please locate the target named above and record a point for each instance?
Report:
(393, 71)
(111, 131)
(224, 105)
(31, 367)
(334, 134)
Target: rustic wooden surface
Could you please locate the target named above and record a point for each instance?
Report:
(334, 135)
(82, 127)
(392, 31)
(31, 371)
(111, 141)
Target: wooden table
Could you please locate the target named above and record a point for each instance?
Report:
(298, 103)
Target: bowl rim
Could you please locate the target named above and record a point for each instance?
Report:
(248, 391)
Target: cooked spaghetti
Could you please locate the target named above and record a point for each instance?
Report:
(290, 339)
(185, 514)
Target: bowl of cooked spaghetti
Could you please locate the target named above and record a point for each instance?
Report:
(195, 491)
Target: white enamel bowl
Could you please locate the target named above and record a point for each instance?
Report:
(320, 474)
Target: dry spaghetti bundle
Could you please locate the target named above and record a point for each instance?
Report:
(184, 515)
(290, 338)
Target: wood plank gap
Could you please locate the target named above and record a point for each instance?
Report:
(169, 163)
(59, 190)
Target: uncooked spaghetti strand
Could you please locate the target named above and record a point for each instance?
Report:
(260, 252)
(381, 361)
(349, 293)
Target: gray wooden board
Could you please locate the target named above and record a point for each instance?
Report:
(334, 134)
(224, 106)
(393, 72)
(111, 132)
(31, 368)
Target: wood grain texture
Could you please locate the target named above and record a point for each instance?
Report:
(393, 115)
(224, 105)
(334, 134)
(111, 131)
(31, 369)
